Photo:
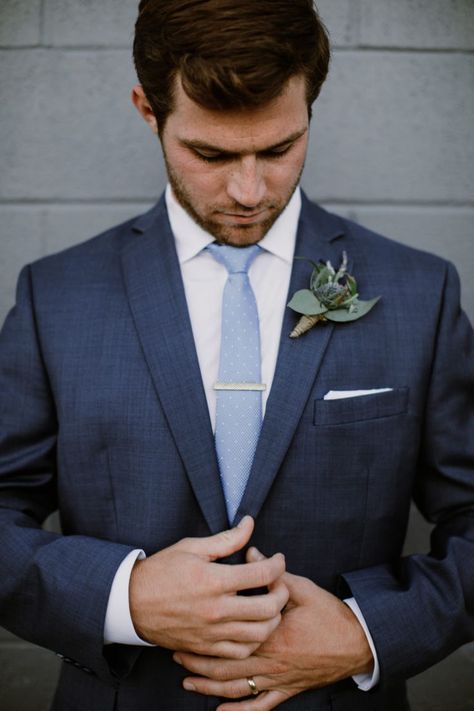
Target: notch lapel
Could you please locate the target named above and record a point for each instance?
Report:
(156, 295)
(298, 359)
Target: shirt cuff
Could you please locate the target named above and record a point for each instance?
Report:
(365, 682)
(118, 625)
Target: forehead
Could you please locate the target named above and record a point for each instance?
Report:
(240, 129)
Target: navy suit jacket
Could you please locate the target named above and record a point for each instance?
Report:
(104, 416)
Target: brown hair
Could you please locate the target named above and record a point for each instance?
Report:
(230, 54)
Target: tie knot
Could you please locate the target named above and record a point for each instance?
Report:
(235, 259)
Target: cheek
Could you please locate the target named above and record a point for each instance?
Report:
(208, 186)
(200, 178)
(282, 176)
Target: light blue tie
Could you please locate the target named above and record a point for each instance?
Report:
(239, 388)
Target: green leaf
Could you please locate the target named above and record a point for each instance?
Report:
(361, 308)
(352, 284)
(323, 277)
(305, 302)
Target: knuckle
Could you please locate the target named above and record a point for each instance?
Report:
(263, 576)
(235, 690)
(200, 648)
(272, 569)
(271, 626)
(260, 633)
(219, 674)
(272, 608)
(284, 597)
(214, 614)
(243, 651)
(218, 582)
(225, 536)
(184, 542)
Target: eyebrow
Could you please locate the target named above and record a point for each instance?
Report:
(202, 145)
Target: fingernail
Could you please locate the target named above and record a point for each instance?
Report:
(188, 686)
(177, 659)
(243, 521)
(257, 555)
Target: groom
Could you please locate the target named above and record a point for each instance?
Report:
(197, 453)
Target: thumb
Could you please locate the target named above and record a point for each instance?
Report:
(224, 543)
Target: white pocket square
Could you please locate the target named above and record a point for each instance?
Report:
(342, 394)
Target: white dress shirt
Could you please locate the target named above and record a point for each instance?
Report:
(204, 279)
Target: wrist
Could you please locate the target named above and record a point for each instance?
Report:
(137, 598)
(361, 653)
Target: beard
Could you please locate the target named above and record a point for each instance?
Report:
(238, 235)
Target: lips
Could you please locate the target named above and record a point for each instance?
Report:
(239, 218)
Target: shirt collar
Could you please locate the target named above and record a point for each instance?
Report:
(191, 239)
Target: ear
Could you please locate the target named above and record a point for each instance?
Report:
(143, 107)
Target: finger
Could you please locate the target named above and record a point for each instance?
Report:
(232, 650)
(221, 544)
(224, 669)
(254, 607)
(253, 555)
(298, 587)
(246, 576)
(234, 689)
(263, 702)
(257, 632)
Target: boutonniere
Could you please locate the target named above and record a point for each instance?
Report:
(332, 296)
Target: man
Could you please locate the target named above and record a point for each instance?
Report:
(135, 372)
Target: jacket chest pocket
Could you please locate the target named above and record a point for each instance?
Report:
(361, 408)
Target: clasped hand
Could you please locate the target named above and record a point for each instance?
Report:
(181, 599)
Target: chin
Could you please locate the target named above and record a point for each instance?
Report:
(239, 239)
(241, 235)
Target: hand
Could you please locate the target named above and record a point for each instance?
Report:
(182, 600)
(319, 641)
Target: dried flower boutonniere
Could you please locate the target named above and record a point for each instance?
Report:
(332, 296)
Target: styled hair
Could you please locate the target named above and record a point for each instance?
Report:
(229, 54)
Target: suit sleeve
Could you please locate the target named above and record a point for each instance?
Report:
(53, 589)
(421, 608)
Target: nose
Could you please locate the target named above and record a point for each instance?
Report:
(246, 184)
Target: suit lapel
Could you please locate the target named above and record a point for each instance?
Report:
(156, 295)
(298, 359)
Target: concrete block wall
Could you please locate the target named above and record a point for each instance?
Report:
(392, 147)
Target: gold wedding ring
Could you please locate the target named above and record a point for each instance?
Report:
(253, 687)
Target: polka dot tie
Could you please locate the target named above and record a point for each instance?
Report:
(239, 411)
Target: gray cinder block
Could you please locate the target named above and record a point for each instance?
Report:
(340, 19)
(20, 22)
(72, 131)
(65, 225)
(20, 242)
(394, 127)
(447, 232)
(418, 23)
(81, 22)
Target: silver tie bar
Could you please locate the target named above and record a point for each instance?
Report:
(240, 386)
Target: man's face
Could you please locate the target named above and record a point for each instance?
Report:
(235, 171)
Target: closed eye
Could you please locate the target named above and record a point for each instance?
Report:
(213, 157)
(276, 152)
(222, 157)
